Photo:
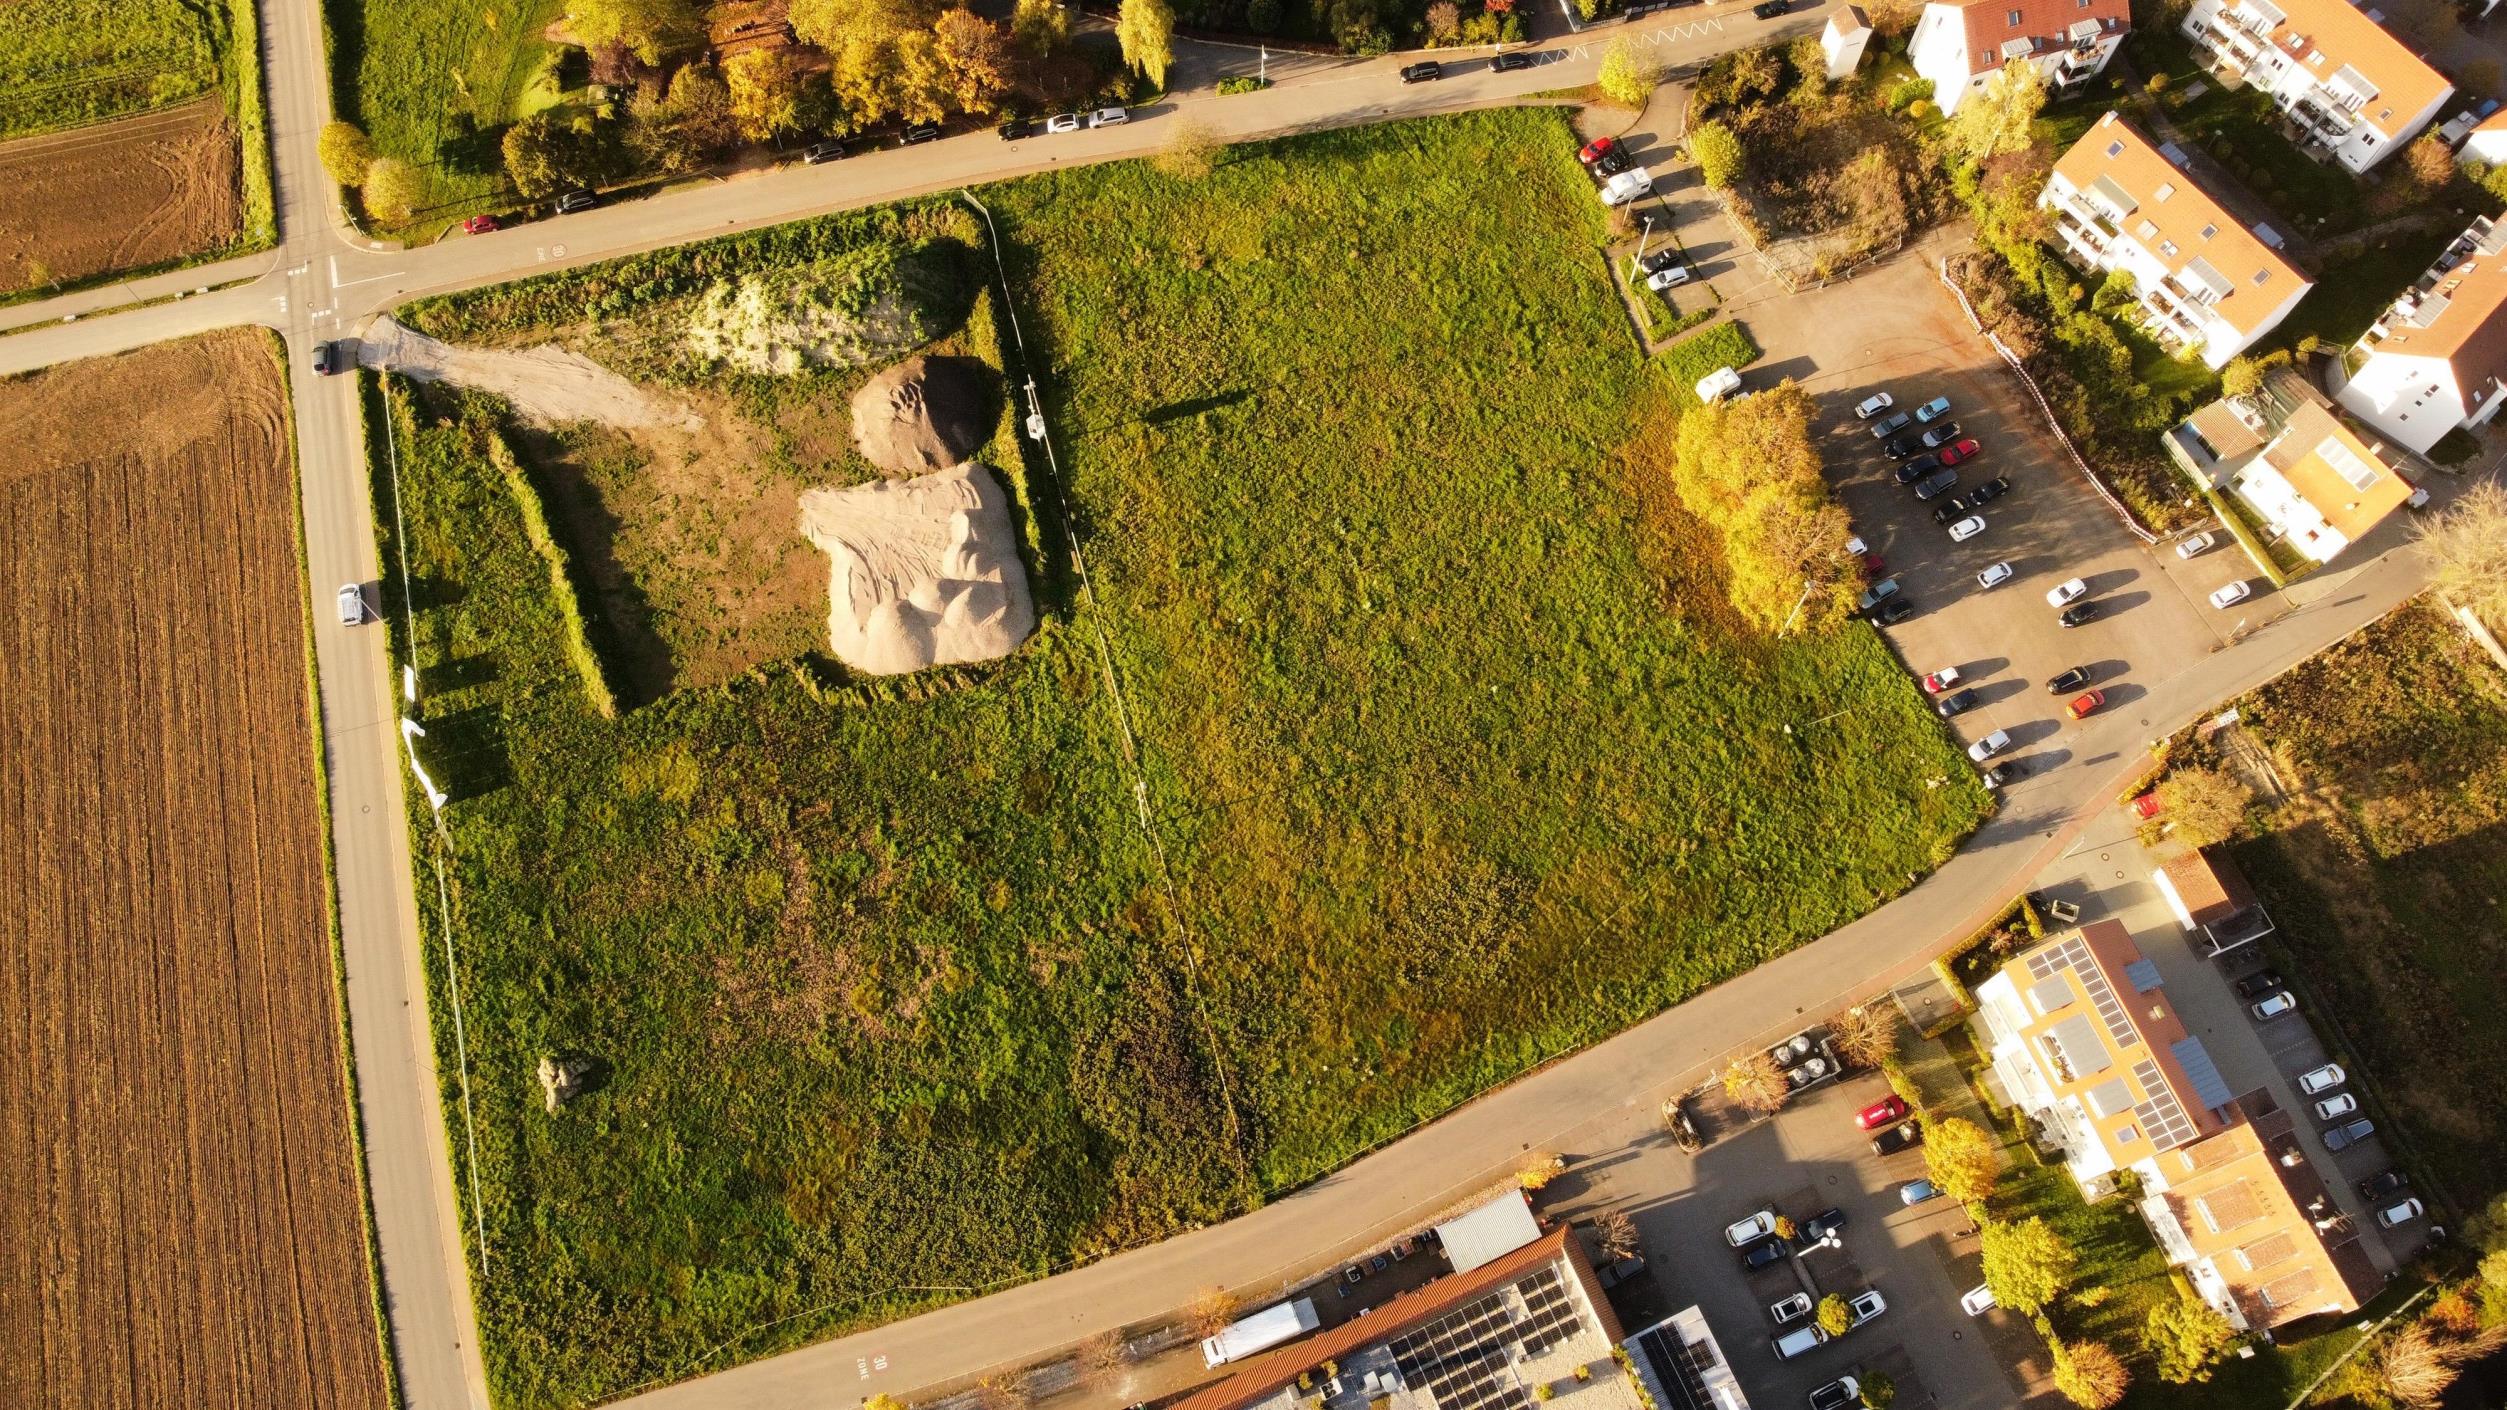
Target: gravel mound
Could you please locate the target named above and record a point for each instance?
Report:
(925, 571)
(546, 384)
(922, 415)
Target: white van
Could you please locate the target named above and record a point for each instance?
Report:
(1108, 117)
(1717, 385)
(1797, 1341)
(1627, 186)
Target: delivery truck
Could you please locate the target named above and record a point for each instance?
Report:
(1261, 1331)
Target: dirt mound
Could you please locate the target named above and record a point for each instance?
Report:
(924, 414)
(546, 384)
(926, 571)
(850, 311)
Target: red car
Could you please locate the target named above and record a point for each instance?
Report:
(479, 224)
(1953, 454)
(1880, 1113)
(1597, 149)
(2082, 707)
(2146, 806)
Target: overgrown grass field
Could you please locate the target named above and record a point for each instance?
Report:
(67, 62)
(1449, 765)
(436, 82)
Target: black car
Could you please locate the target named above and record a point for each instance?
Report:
(1894, 611)
(821, 152)
(1899, 448)
(1936, 484)
(1012, 129)
(1508, 63)
(1660, 260)
(1428, 72)
(1908, 472)
(574, 201)
(1941, 435)
(1611, 163)
(1890, 425)
(1837, 1394)
(1769, 9)
(2256, 985)
(2070, 680)
(919, 133)
(326, 358)
(1822, 1224)
(1898, 1138)
(2004, 774)
(1950, 510)
(2391, 1182)
(2078, 613)
(1957, 703)
(1989, 491)
(1761, 1254)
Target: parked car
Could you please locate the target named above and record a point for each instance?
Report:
(2384, 1183)
(2231, 595)
(820, 153)
(1837, 1394)
(1748, 1231)
(1670, 277)
(1941, 435)
(1790, 1309)
(1977, 1299)
(1717, 385)
(2086, 704)
(1959, 453)
(2322, 1079)
(1797, 1341)
(1508, 63)
(1956, 703)
(1881, 1113)
(2006, 773)
(2274, 1006)
(1017, 128)
(2336, 1106)
(1989, 491)
(2257, 984)
(2344, 1137)
(1597, 149)
(352, 605)
(2072, 679)
(1918, 1191)
(1116, 117)
(2065, 592)
(1933, 410)
(1428, 72)
(480, 225)
(922, 132)
(1900, 447)
(1627, 186)
(1762, 1254)
(2394, 1216)
(1989, 746)
(1994, 576)
(1660, 260)
(1909, 471)
(1864, 1306)
(1967, 528)
(1894, 611)
(2198, 545)
(1062, 122)
(1822, 1224)
(1889, 426)
(2079, 613)
(326, 358)
(1947, 678)
(574, 201)
(1951, 510)
(1873, 405)
(1769, 9)
(1876, 594)
(1936, 483)
(1897, 1138)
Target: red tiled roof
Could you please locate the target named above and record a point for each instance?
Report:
(2046, 22)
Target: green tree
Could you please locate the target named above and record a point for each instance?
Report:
(2027, 1264)
(1718, 152)
(885, 60)
(393, 190)
(2243, 377)
(1999, 119)
(2090, 1374)
(1962, 1158)
(652, 30)
(765, 93)
(2184, 1337)
(1627, 77)
(345, 152)
(1146, 30)
(546, 153)
(1039, 27)
(1834, 1315)
(2203, 806)
(979, 58)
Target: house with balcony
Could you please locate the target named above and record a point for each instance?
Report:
(2208, 281)
(2305, 478)
(2247, 1218)
(2437, 358)
(1960, 47)
(2343, 80)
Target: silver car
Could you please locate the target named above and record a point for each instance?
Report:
(352, 604)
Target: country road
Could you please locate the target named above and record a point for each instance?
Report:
(326, 282)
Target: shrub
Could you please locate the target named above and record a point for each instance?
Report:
(2090, 1374)
(1718, 152)
(1906, 95)
(345, 152)
(1242, 83)
(2184, 1336)
(1834, 1315)
(393, 190)
(1627, 77)
(2027, 1264)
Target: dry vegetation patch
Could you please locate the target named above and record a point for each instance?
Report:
(125, 195)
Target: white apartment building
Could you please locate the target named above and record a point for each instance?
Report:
(2437, 359)
(2210, 282)
(2349, 85)
(1961, 46)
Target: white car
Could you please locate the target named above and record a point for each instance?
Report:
(1864, 1306)
(1978, 1299)
(2196, 546)
(1791, 1309)
(2274, 1007)
(1967, 528)
(1994, 576)
(1066, 122)
(2064, 592)
(2323, 1079)
(1668, 277)
(1752, 1229)
(1721, 383)
(352, 604)
(1989, 746)
(2396, 1215)
(2231, 595)
(2336, 1106)
(1873, 405)
(1627, 186)
(1797, 1341)
(1108, 117)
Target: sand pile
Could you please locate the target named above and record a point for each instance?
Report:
(856, 308)
(925, 573)
(924, 414)
(545, 384)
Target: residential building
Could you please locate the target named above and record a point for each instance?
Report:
(1486, 1339)
(2303, 476)
(2209, 281)
(1679, 1363)
(2437, 359)
(2487, 142)
(2258, 1235)
(2082, 1037)
(1961, 46)
(2209, 897)
(2343, 80)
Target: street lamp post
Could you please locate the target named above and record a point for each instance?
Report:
(1637, 260)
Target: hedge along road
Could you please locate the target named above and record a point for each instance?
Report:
(326, 282)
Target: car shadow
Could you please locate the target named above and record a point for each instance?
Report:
(2028, 732)
(2123, 694)
(1995, 692)
(2122, 602)
(1800, 369)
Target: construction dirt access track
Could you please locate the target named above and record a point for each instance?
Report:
(182, 1222)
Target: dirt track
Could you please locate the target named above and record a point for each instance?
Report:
(120, 195)
(182, 1225)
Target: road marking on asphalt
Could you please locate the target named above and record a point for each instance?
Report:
(339, 283)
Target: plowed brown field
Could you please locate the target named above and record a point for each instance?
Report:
(120, 195)
(180, 1218)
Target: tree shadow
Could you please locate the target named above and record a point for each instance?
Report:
(616, 609)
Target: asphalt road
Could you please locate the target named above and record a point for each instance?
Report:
(324, 282)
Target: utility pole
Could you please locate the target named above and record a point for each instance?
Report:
(1637, 260)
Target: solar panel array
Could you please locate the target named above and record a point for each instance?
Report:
(1465, 1358)
(1676, 1366)
(2162, 1115)
(2073, 954)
